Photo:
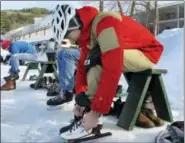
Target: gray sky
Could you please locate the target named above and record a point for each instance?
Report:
(46, 4)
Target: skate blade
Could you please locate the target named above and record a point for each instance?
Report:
(57, 107)
(89, 137)
(73, 140)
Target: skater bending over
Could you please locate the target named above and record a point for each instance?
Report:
(19, 50)
(110, 44)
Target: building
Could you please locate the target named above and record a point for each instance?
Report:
(170, 16)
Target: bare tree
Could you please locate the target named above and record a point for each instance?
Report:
(101, 5)
(148, 11)
(156, 18)
(132, 8)
(119, 6)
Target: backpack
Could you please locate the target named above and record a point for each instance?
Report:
(174, 133)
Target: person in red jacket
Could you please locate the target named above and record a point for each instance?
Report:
(110, 43)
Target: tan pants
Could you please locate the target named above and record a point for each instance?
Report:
(134, 61)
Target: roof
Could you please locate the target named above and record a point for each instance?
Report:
(173, 3)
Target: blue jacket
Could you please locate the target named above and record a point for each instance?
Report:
(21, 47)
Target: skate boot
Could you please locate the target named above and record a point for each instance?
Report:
(49, 82)
(68, 127)
(44, 82)
(61, 99)
(9, 85)
(76, 132)
(53, 90)
(12, 77)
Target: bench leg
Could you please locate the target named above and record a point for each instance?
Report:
(41, 75)
(26, 72)
(128, 76)
(55, 73)
(138, 87)
(160, 99)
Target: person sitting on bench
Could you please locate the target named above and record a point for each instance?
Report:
(67, 59)
(19, 50)
(110, 43)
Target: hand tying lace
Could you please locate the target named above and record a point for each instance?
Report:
(90, 120)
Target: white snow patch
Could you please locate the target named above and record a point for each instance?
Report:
(173, 60)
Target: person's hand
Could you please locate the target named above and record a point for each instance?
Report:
(90, 120)
(78, 110)
(66, 43)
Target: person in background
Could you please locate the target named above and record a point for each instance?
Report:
(50, 46)
(67, 58)
(19, 50)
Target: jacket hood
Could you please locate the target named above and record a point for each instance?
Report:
(86, 14)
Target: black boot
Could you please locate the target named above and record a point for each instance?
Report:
(66, 128)
(54, 90)
(62, 98)
(13, 76)
(44, 82)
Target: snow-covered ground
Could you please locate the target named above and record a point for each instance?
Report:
(25, 118)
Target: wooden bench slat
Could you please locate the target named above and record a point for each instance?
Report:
(151, 71)
(43, 62)
(154, 71)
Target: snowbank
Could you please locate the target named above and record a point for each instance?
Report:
(172, 60)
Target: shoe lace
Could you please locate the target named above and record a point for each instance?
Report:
(61, 96)
(54, 87)
(56, 98)
(76, 125)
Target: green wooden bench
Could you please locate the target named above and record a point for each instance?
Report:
(31, 66)
(139, 84)
(45, 64)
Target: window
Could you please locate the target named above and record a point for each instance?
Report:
(167, 25)
(181, 24)
(181, 11)
(168, 13)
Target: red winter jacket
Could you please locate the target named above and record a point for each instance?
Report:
(129, 34)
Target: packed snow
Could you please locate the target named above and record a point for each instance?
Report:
(25, 118)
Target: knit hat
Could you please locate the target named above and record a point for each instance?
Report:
(6, 44)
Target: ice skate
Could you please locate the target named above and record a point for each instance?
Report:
(11, 77)
(77, 133)
(54, 90)
(59, 101)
